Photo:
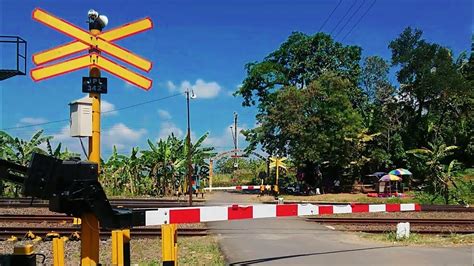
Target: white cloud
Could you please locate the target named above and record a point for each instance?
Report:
(106, 108)
(167, 128)
(202, 89)
(72, 144)
(128, 85)
(33, 120)
(121, 136)
(225, 140)
(163, 114)
(171, 86)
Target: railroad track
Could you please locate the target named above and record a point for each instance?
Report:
(382, 225)
(126, 203)
(141, 232)
(31, 218)
(366, 221)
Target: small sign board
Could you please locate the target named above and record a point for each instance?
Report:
(95, 85)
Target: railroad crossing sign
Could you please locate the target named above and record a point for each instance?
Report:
(95, 44)
(277, 162)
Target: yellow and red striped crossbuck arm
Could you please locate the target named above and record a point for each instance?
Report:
(238, 212)
(88, 39)
(77, 46)
(54, 70)
(124, 73)
(87, 60)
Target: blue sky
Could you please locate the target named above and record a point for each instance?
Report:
(203, 45)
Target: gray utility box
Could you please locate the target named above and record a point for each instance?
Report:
(80, 118)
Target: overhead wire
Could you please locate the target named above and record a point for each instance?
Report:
(330, 15)
(109, 111)
(343, 17)
(358, 21)
(350, 18)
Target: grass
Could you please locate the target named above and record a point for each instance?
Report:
(422, 239)
(224, 180)
(191, 251)
(203, 250)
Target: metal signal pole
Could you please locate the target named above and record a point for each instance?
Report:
(235, 136)
(190, 166)
(236, 143)
(90, 223)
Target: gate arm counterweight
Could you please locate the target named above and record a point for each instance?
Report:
(71, 187)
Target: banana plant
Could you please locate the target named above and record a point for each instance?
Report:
(20, 150)
(57, 153)
(441, 174)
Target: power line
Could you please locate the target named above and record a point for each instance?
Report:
(343, 17)
(110, 111)
(357, 23)
(330, 15)
(143, 103)
(38, 124)
(347, 22)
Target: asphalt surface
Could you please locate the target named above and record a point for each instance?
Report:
(292, 241)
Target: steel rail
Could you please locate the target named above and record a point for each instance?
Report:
(335, 220)
(147, 232)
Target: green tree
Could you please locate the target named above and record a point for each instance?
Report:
(299, 61)
(312, 124)
(435, 96)
(381, 113)
(374, 79)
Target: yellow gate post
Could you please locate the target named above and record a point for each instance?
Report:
(90, 224)
(210, 174)
(169, 245)
(58, 251)
(276, 179)
(121, 247)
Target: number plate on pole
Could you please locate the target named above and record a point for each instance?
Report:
(97, 85)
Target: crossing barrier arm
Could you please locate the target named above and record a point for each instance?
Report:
(237, 212)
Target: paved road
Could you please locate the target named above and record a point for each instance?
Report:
(292, 241)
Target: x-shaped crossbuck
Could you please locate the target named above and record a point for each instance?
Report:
(95, 44)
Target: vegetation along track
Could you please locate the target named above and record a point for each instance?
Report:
(126, 203)
(379, 225)
(424, 207)
(141, 232)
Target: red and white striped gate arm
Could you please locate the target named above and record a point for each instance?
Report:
(234, 188)
(237, 212)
